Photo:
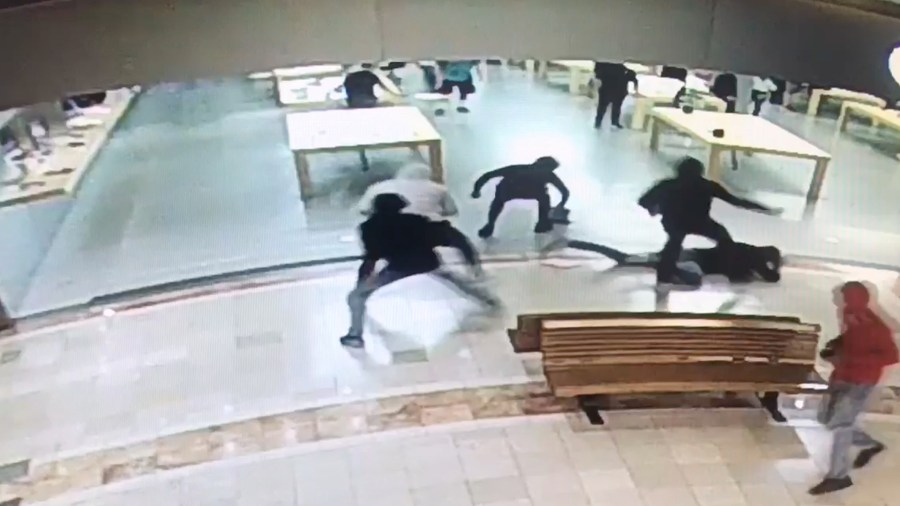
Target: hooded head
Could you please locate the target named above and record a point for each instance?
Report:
(415, 171)
(689, 168)
(388, 203)
(856, 296)
(546, 163)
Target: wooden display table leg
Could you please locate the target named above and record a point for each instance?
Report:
(843, 118)
(815, 187)
(654, 134)
(574, 80)
(814, 99)
(638, 117)
(714, 169)
(302, 165)
(436, 157)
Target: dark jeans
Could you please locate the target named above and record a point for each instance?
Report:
(758, 98)
(670, 253)
(501, 198)
(604, 100)
(465, 88)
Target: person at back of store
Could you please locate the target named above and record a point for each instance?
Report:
(458, 75)
(359, 85)
(762, 90)
(725, 87)
(614, 79)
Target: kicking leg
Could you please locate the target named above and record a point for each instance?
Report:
(668, 257)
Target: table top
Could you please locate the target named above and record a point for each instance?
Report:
(349, 128)
(309, 71)
(585, 65)
(853, 95)
(742, 131)
(890, 116)
(656, 87)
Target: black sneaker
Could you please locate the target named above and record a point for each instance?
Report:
(829, 485)
(438, 112)
(352, 341)
(486, 232)
(543, 227)
(866, 455)
(462, 109)
(618, 126)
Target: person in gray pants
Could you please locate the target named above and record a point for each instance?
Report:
(407, 243)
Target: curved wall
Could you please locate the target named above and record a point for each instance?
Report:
(72, 45)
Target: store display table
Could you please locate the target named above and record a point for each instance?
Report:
(654, 91)
(877, 115)
(742, 132)
(582, 71)
(60, 172)
(360, 129)
(845, 96)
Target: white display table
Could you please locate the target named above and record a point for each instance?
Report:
(359, 129)
(61, 172)
(654, 91)
(743, 132)
(844, 96)
(302, 71)
(877, 115)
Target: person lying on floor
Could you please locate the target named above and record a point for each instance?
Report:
(740, 262)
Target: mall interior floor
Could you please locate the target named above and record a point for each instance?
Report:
(199, 180)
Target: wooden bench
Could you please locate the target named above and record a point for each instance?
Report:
(590, 356)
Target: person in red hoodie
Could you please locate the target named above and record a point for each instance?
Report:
(865, 347)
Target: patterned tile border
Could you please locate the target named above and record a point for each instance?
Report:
(46, 480)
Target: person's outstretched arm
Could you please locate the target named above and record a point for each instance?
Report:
(487, 176)
(559, 185)
(719, 192)
(652, 198)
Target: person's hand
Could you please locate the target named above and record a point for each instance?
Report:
(476, 194)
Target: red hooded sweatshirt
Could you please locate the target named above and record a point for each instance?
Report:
(867, 345)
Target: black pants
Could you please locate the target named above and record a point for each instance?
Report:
(452, 237)
(626, 260)
(465, 88)
(670, 253)
(758, 98)
(605, 99)
(500, 200)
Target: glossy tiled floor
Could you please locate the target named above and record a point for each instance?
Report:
(153, 372)
(199, 181)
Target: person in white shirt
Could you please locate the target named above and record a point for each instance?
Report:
(762, 88)
(426, 198)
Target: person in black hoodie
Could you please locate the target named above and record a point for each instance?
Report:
(406, 242)
(614, 79)
(684, 203)
(525, 182)
(725, 87)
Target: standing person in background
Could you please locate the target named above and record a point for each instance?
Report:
(865, 347)
(458, 74)
(761, 91)
(406, 242)
(684, 203)
(725, 87)
(359, 86)
(425, 198)
(614, 79)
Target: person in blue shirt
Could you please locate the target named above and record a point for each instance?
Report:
(457, 74)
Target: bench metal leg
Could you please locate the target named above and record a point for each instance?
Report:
(769, 401)
(591, 405)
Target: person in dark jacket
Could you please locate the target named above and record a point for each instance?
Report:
(406, 242)
(725, 87)
(523, 182)
(614, 79)
(740, 263)
(860, 355)
(684, 203)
